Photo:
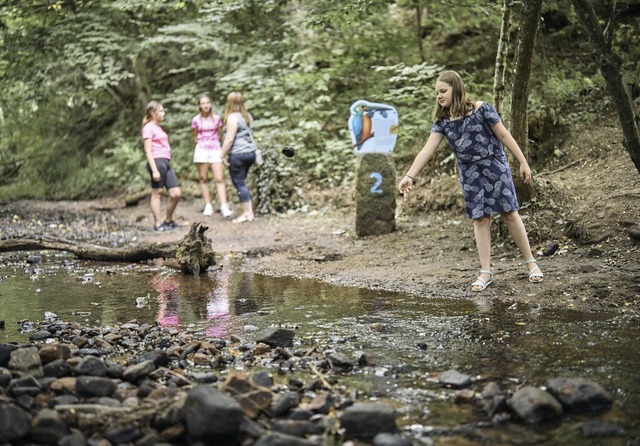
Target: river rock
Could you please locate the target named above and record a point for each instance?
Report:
(276, 337)
(534, 405)
(15, 423)
(92, 386)
(277, 439)
(366, 420)
(579, 394)
(26, 361)
(211, 415)
(386, 439)
(454, 379)
(598, 429)
(48, 427)
(91, 366)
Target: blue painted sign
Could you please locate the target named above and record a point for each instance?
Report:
(373, 126)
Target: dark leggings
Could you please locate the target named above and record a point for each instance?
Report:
(239, 165)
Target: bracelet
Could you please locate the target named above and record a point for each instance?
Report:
(412, 179)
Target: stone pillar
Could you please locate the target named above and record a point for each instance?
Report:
(375, 194)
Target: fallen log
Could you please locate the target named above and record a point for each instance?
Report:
(193, 253)
(88, 251)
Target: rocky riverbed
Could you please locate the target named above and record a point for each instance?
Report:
(142, 384)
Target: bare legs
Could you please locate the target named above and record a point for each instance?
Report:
(482, 231)
(156, 198)
(218, 178)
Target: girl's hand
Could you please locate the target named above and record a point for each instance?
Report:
(156, 175)
(525, 173)
(225, 162)
(405, 186)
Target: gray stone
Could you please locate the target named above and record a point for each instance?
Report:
(454, 379)
(276, 337)
(285, 403)
(211, 415)
(277, 439)
(579, 394)
(365, 421)
(297, 428)
(92, 386)
(375, 194)
(534, 405)
(135, 372)
(386, 439)
(48, 427)
(15, 423)
(599, 429)
(91, 366)
(57, 368)
(340, 362)
(26, 361)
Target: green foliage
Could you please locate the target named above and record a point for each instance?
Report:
(75, 77)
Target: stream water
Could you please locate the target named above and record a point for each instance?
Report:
(410, 339)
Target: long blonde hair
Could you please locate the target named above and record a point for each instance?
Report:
(152, 107)
(460, 103)
(235, 104)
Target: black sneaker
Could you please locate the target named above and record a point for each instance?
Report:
(160, 228)
(169, 225)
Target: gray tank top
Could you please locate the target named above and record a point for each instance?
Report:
(243, 142)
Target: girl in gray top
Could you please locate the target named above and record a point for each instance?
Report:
(238, 144)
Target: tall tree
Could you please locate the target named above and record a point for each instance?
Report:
(529, 19)
(501, 55)
(611, 68)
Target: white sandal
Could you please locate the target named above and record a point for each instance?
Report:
(481, 285)
(535, 275)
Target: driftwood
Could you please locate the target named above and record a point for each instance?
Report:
(88, 251)
(194, 252)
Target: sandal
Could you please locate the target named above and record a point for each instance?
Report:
(243, 218)
(535, 275)
(481, 285)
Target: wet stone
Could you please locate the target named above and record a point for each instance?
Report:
(365, 421)
(278, 439)
(599, 429)
(285, 403)
(48, 428)
(91, 366)
(92, 386)
(136, 372)
(534, 405)
(40, 335)
(297, 428)
(211, 415)
(454, 379)
(15, 423)
(579, 394)
(123, 436)
(386, 439)
(73, 439)
(26, 360)
(54, 352)
(276, 337)
(340, 362)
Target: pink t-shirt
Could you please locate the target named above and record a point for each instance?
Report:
(208, 136)
(159, 140)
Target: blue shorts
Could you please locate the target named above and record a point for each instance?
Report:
(168, 177)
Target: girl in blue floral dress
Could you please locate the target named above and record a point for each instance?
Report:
(476, 134)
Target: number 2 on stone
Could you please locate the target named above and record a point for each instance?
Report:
(375, 189)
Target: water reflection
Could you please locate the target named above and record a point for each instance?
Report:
(408, 337)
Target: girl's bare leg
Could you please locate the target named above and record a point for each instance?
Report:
(482, 231)
(218, 177)
(154, 203)
(516, 228)
(203, 181)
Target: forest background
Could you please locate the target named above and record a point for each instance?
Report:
(76, 76)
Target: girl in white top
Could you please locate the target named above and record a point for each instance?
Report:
(206, 127)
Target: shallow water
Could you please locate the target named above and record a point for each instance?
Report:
(409, 339)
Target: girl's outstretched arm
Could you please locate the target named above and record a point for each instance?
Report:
(510, 143)
(421, 160)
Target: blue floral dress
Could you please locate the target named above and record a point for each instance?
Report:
(487, 184)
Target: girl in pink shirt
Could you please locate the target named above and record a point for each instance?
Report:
(206, 127)
(158, 153)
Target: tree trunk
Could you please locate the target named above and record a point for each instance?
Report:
(529, 19)
(611, 68)
(501, 55)
(193, 252)
(88, 251)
